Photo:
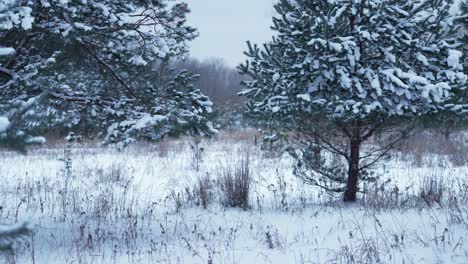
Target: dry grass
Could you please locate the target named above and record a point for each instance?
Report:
(205, 191)
(103, 205)
(421, 146)
(235, 182)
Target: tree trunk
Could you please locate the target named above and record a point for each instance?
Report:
(449, 128)
(353, 169)
(447, 132)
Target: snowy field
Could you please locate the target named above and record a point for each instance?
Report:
(145, 205)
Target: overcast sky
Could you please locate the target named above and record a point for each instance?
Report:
(226, 25)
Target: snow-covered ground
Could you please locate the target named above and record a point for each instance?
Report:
(140, 206)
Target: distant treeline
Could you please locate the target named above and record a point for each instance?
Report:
(217, 80)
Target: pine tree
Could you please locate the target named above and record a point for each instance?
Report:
(450, 122)
(11, 117)
(90, 57)
(17, 116)
(173, 107)
(18, 121)
(339, 72)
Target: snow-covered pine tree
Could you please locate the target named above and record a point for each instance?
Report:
(18, 120)
(91, 56)
(11, 118)
(16, 115)
(450, 122)
(173, 107)
(339, 71)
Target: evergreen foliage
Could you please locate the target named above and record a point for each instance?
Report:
(17, 116)
(106, 66)
(11, 234)
(338, 72)
(12, 117)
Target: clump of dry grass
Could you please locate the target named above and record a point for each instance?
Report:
(204, 191)
(235, 183)
(432, 190)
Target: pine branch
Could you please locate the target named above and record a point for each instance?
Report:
(9, 235)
